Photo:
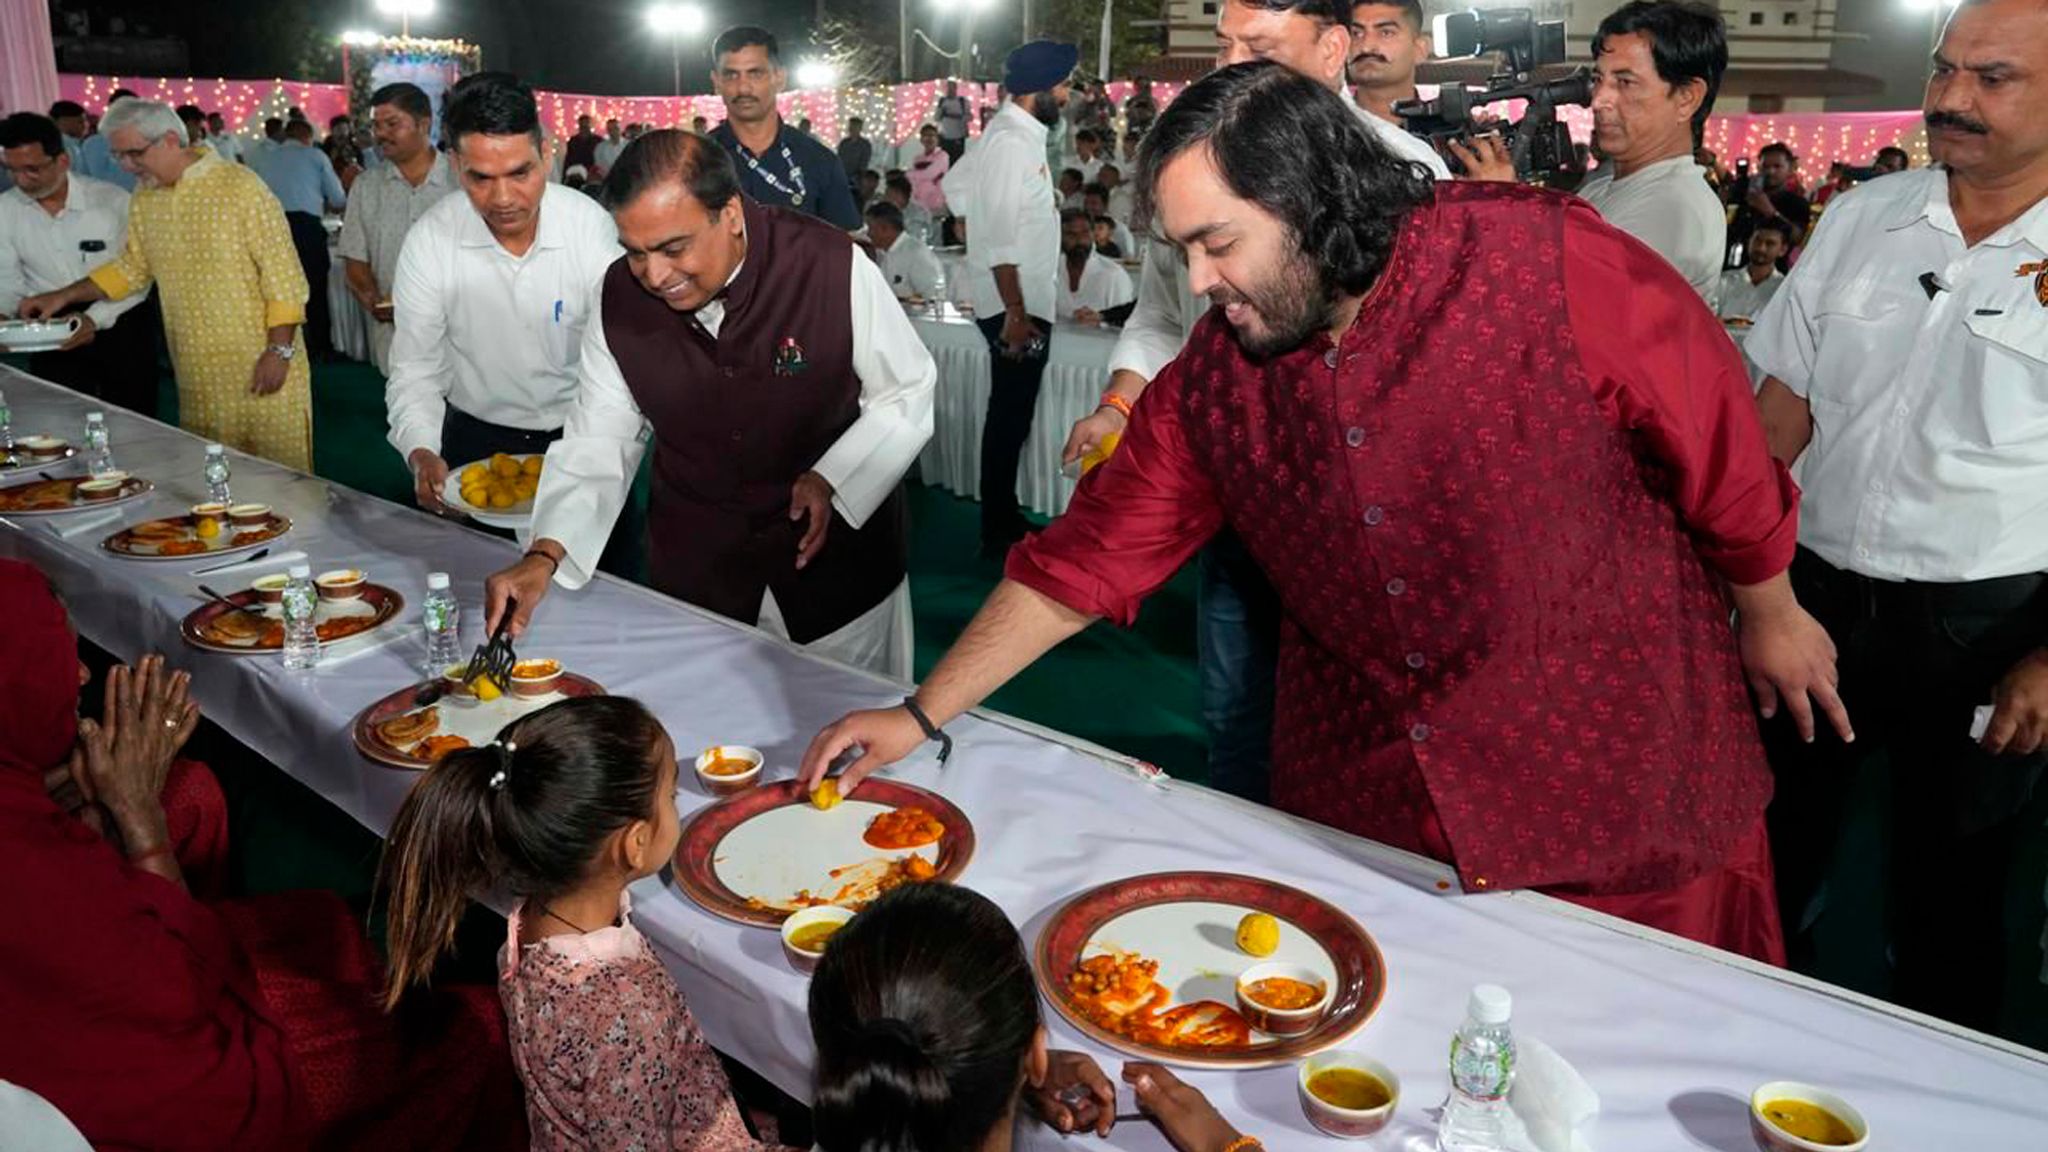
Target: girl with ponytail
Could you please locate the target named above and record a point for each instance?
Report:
(567, 807)
(925, 1018)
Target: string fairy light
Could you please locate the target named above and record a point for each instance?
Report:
(897, 111)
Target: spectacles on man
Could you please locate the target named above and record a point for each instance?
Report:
(134, 155)
(31, 171)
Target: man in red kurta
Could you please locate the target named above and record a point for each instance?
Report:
(1506, 474)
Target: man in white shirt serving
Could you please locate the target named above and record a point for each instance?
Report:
(1089, 283)
(1657, 66)
(491, 296)
(1013, 253)
(1907, 361)
(55, 227)
(906, 261)
(785, 392)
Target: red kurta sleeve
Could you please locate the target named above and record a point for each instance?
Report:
(1659, 364)
(1134, 520)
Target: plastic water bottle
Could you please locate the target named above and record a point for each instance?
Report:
(6, 427)
(442, 617)
(301, 637)
(99, 447)
(1482, 1069)
(217, 472)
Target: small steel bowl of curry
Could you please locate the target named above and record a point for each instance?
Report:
(536, 677)
(729, 769)
(808, 932)
(1282, 999)
(1787, 1116)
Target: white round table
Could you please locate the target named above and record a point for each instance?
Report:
(1074, 379)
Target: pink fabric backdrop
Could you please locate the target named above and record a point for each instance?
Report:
(28, 60)
(893, 113)
(243, 103)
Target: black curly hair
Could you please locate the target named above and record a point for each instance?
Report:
(1294, 148)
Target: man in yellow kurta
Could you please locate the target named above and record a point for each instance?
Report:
(214, 240)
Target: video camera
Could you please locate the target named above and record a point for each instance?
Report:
(1541, 147)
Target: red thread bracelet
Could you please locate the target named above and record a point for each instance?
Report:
(1112, 400)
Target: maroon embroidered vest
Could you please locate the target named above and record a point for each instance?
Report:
(737, 419)
(1498, 633)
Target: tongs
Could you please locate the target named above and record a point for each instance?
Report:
(495, 660)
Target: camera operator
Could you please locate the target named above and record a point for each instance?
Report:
(1656, 66)
(1389, 38)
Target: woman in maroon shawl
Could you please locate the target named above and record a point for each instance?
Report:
(154, 1020)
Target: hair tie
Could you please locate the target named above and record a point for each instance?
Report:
(505, 749)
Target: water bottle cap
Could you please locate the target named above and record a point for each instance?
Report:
(95, 417)
(216, 449)
(300, 572)
(1490, 1004)
(437, 581)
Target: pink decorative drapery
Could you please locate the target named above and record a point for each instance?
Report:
(28, 59)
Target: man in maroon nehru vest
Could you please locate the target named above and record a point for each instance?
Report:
(1505, 473)
(785, 392)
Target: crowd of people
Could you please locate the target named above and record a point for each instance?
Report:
(1531, 590)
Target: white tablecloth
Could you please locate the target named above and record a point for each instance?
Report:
(1075, 377)
(1672, 1037)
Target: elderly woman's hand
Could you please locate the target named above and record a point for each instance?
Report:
(127, 753)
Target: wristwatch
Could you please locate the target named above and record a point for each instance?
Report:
(284, 352)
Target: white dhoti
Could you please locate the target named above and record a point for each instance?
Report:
(879, 640)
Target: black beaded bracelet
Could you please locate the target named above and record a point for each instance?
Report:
(931, 730)
(554, 565)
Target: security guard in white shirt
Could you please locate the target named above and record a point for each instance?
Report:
(1907, 364)
(1006, 194)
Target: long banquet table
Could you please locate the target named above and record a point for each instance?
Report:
(1672, 1036)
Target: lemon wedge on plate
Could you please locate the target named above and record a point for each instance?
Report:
(1258, 934)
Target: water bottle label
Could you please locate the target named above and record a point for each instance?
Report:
(1479, 1073)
